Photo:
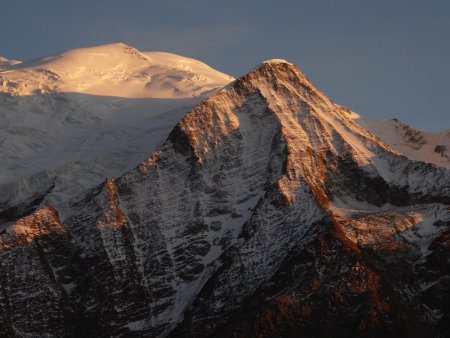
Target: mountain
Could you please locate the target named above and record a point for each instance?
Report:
(71, 119)
(5, 63)
(115, 70)
(431, 147)
(267, 212)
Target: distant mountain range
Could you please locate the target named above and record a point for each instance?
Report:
(268, 211)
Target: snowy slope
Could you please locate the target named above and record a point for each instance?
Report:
(266, 212)
(114, 70)
(430, 147)
(5, 63)
(69, 120)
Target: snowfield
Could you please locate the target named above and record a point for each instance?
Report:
(5, 63)
(114, 70)
(419, 145)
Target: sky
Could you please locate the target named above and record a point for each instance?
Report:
(382, 59)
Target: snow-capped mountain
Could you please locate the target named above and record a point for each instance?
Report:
(267, 212)
(71, 119)
(430, 147)
(114, 70)
(5, 63)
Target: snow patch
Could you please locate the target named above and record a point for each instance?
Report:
(277, 61)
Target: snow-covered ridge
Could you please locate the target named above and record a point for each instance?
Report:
(419, 145)
(114, 70)
(5, 63)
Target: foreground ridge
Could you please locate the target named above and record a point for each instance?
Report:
(267, 212)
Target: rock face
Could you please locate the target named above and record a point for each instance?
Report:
(267, 212)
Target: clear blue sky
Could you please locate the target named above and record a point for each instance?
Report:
(383, 58)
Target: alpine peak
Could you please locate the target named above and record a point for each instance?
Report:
(115, 70)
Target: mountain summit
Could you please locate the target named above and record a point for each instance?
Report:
(115, 70)
(267, 212)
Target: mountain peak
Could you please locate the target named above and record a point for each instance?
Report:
(281, 71)
(306, 118)
(274, 63)
(116, 70)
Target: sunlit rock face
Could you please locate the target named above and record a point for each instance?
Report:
(267, 212)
